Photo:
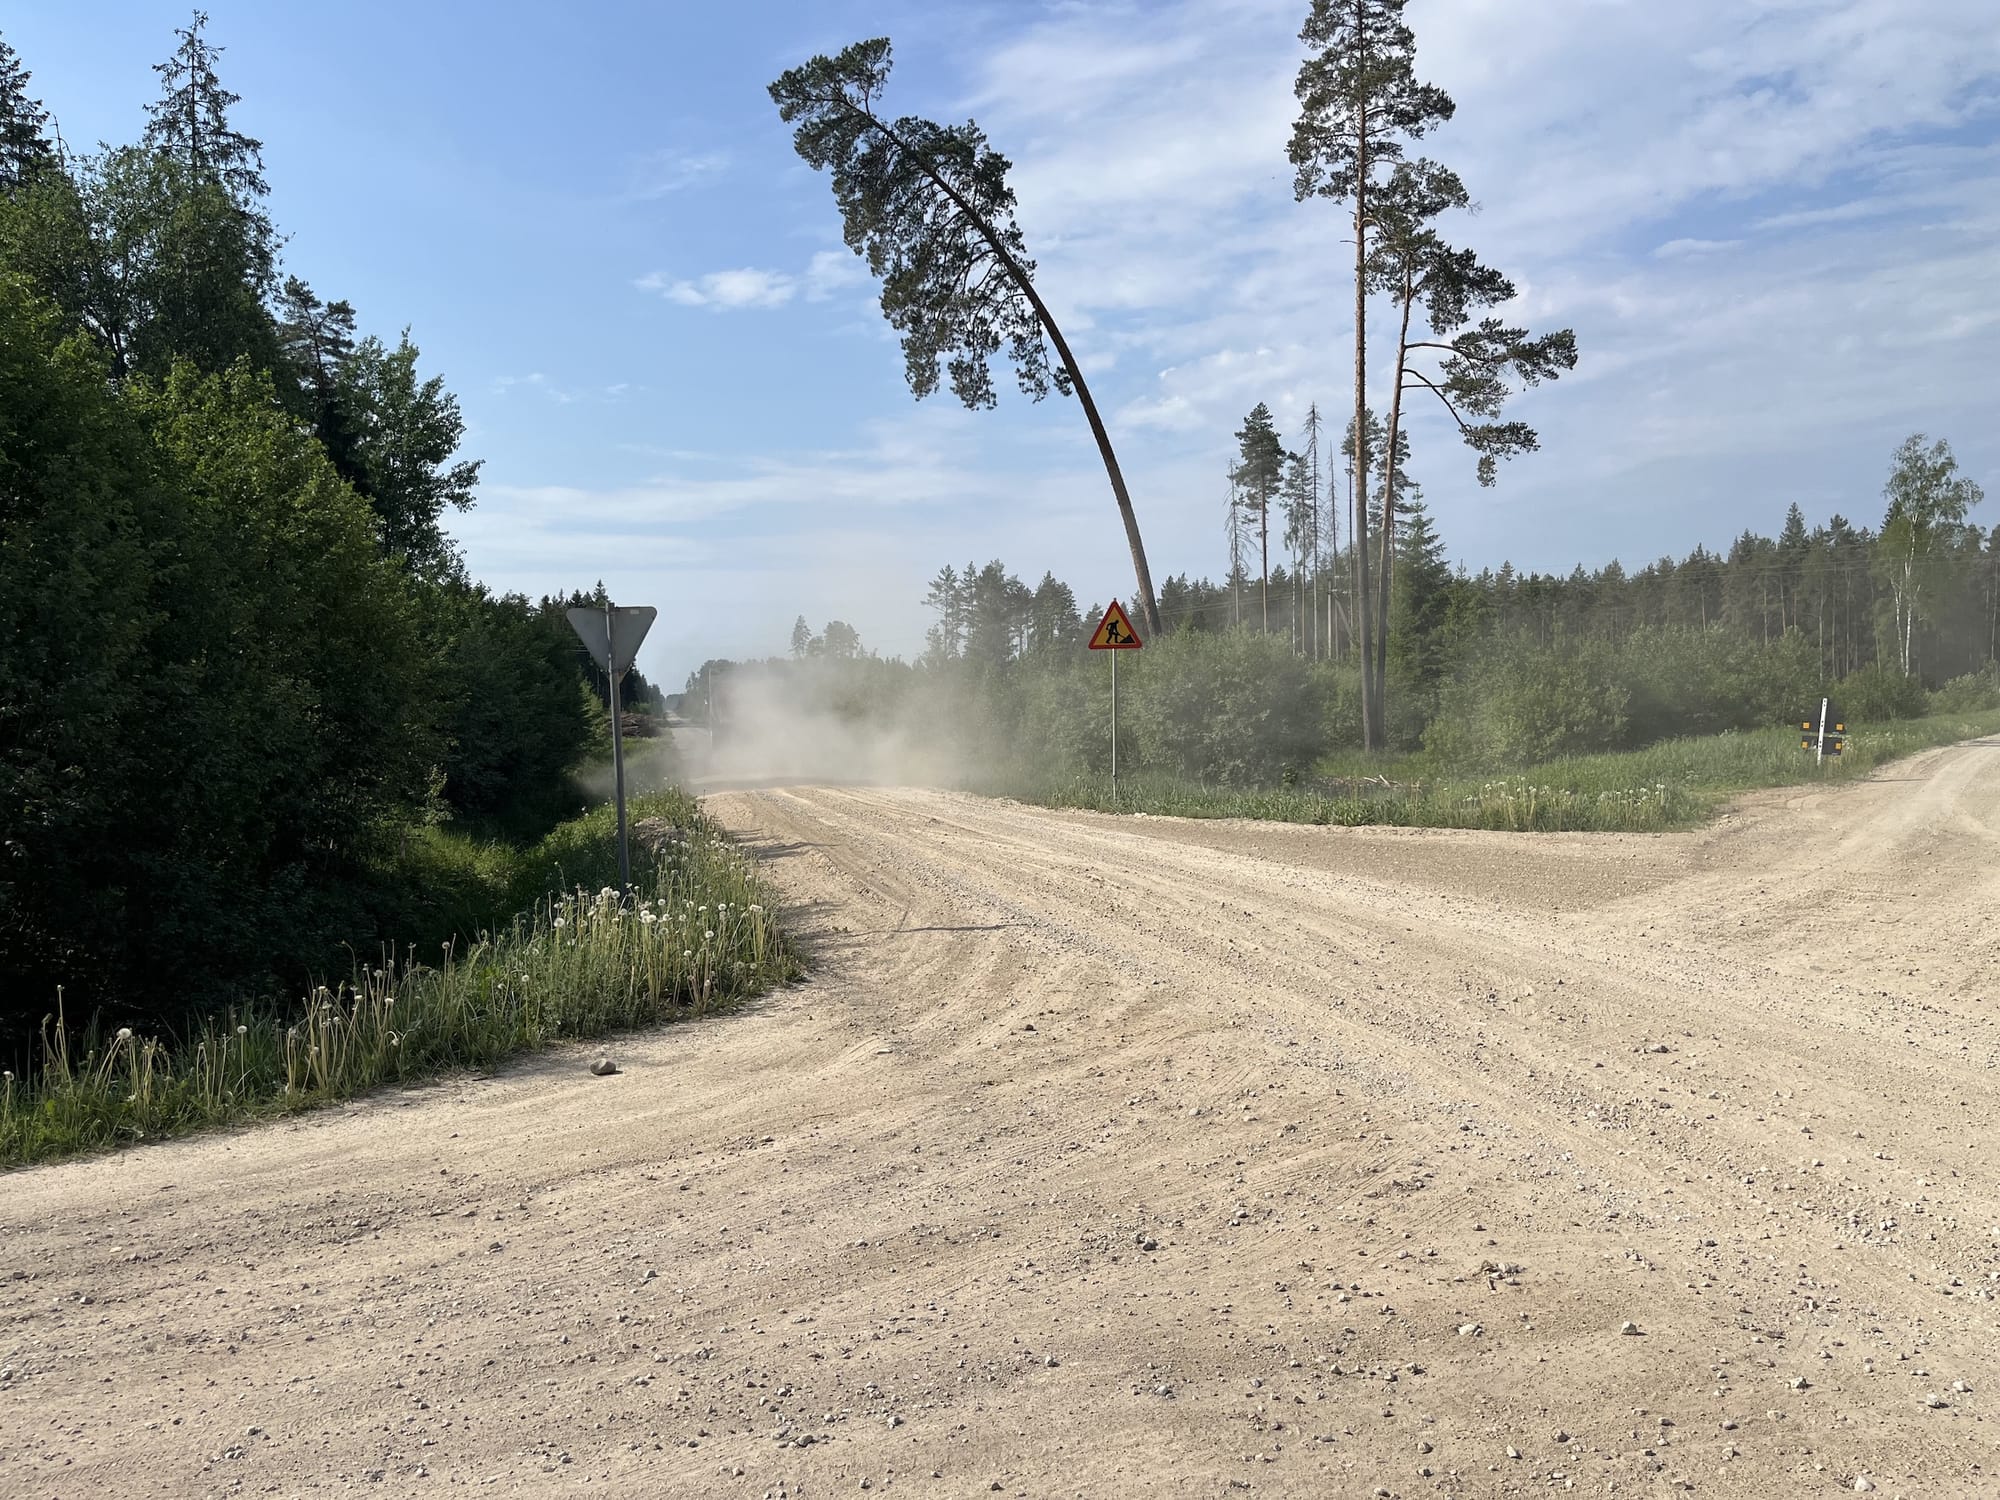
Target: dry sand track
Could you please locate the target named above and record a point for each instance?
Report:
(1127, 1157)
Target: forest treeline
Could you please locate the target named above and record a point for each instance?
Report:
(1256, 679)
(241, 663)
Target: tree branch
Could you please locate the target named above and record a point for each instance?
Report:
(1463, 425)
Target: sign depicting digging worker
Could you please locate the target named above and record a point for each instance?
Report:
(1114, 633)
(1824, 733)
(612, 635)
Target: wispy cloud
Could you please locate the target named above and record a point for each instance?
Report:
(540, 384)
(1770, 223)
(750, 287)
(670, 170)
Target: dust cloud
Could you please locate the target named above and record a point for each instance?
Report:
(850, 722)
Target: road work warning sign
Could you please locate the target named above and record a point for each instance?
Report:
(1114, 632)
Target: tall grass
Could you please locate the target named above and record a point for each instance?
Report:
(1677, 783)
(696, 934)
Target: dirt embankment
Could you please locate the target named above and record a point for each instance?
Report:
(1127, 1157)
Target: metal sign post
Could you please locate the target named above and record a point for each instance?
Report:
(612, 636)
(1824, 733)
(1114, 633)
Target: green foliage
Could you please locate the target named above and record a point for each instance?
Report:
(698, 935)
(1973, 693)
(1685, 681)
(25, 149)
(405, 431)
(930, 208)
(1237, 709)
(1516, 706)
(1675, 784)
(192, 601)
(1878, 692)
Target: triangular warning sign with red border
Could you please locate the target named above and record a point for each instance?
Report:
(1114, 632)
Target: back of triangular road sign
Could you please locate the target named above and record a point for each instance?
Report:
(1114, 632)
(613, 642)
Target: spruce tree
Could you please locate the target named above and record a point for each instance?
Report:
(190, 120)
(25, 148)
(1259, 476)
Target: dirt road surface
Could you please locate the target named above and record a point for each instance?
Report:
(1122, 1156)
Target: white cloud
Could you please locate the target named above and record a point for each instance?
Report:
(504, 385)
(749, 287)
(723, 291)
(1770, 222)
(1684, 247)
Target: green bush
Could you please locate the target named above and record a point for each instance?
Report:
(1691, 682)
(1877, 693)
(1975, 692)
(1516, 705)
(697, 933)
(211, 692)
(1234, 708)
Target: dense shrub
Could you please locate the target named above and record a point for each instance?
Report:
(1516, 705)
(516, 715)
(211, 693)
(1973, 693)
(1705, 681)
(1878, 692)
(1238, 709)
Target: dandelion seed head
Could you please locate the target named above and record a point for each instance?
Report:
(124, 1033)
(243, 1031)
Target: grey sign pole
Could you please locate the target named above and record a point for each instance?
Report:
(618, 764)
(612, 637)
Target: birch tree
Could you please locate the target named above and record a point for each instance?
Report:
(1928, 500)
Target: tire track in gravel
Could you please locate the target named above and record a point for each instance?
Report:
(1112, 1156)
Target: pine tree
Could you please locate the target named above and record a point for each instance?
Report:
(930, 208)
(1359, 101)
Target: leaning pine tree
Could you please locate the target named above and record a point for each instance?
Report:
(930, 208)
(1358, 102)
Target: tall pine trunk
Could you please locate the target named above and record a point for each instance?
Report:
(1371, 709)
(1387, 543)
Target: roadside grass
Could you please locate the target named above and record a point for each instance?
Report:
(697, 934)
(1674, 784)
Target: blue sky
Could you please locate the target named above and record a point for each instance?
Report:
(1774, 225)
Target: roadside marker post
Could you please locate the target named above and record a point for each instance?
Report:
(1114, 633)
(612, 635)
(1826, 734)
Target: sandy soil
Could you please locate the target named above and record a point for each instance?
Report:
(1127, 1157)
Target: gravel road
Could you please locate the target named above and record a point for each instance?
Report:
(1126, 1156)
